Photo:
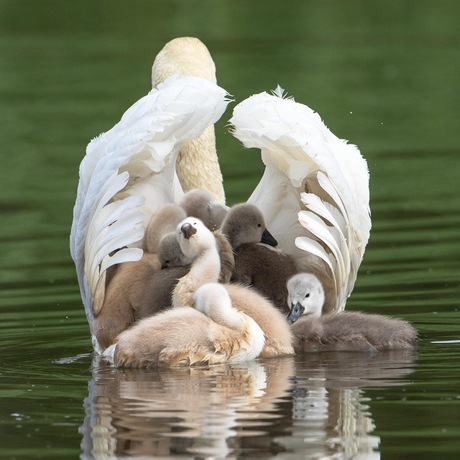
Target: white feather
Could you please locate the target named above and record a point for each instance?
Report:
(129, 172)
(308, 169)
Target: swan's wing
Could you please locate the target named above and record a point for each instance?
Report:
(129, 172)
(314, 192)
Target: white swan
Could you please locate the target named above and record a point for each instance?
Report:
(314, 193)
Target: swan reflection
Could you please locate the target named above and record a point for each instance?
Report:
(311, 405)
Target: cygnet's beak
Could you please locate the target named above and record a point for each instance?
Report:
(187, 230)
(268, 238)
(295, 313)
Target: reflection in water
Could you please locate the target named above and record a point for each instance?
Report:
(330, 417)
(312, 405)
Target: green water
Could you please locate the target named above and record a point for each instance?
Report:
(383, 75)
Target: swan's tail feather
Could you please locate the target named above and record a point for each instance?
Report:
(312, 174)
(131, 168)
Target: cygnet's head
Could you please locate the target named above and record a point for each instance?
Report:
(198, 203)
(246, 224)
(170, 254)
(305, 296)
(186, 56)
(194, 237)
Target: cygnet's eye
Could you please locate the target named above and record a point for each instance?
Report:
(259, 225)
(307, 295)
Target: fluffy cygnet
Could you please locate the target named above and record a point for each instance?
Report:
(257, 265)
(170, 254)
(244, 223)
(212, 333)
(162, 222)
(341, 331)
(158, 293)
(198, 203)
(125, 295)
(198, 242)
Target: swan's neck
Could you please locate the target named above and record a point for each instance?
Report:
(205, 269)
(185, 56)
(198, 166)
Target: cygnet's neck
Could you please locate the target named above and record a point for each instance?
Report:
(206, 266)
(205, 269)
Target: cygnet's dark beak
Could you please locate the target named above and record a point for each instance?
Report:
(188, 230)
(295, 313)
(268, 238)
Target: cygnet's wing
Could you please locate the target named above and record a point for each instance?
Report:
(314, 193)
(129, 172)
